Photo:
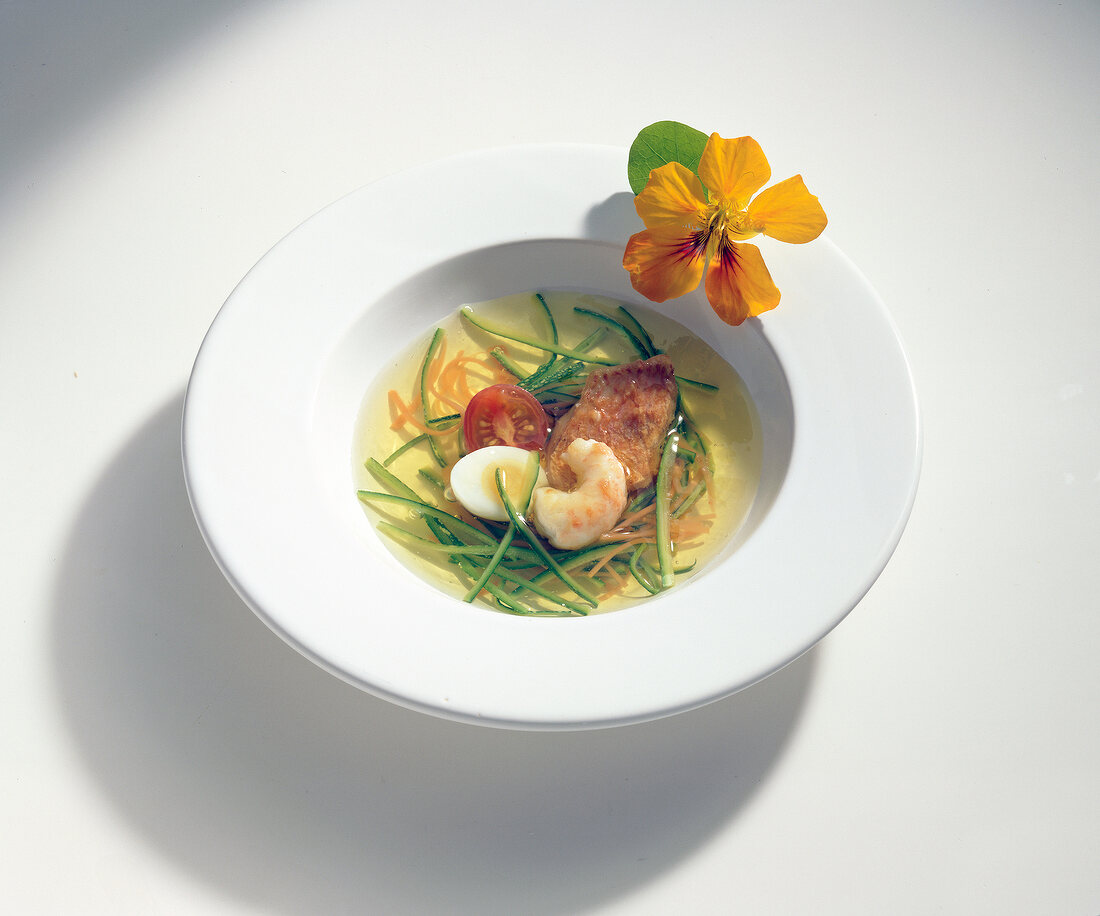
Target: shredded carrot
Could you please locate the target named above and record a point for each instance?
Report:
(644, 535)
(618, 583)
(455, 381)
(407, 416)
(631, 520)
(682, 530)
(447, 381)
(616, 575)
(604, 561)
(400, 412)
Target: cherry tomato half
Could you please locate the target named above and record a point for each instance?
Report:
(505, 415)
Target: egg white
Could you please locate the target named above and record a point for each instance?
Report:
(473, 479)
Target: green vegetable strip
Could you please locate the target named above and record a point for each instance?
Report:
(523, 583)
(532, 539)
(552, 358)
(389, 479)
(648, 569)
(540, 379)
(544, 379)
(425, 509)
(494, 562)
(441, 421)
(436, 453)
(504, 599)
(416, 542)
(664, 537)
(569, 560)
(437, 339)
(636, 326)
(641, 500)
(563, 393)
(492, 328)
(404, 448)
(433, 478)
(433, 347)
(623, 330)
(705, 386)
(689, 424)
(637, 573)
(531, 473)
(435, 517)
(591, 340)
(585, 556)
(501, 357)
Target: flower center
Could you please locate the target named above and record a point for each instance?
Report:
(724, 223)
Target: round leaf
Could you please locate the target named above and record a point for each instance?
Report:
(660, 143)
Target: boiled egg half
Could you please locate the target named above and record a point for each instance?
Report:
(473, 479)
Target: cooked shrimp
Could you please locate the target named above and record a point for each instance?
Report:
(569, 519)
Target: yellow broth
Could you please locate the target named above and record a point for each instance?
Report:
(726, 418)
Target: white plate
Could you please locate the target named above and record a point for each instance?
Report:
(278, 382)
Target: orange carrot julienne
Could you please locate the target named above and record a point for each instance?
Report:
(630, 520)
(400, 412)
(605, 561)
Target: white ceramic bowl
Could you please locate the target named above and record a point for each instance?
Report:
(277, 386)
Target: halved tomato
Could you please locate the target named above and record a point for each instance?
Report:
(505, 415)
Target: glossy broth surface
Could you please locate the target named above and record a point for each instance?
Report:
(725, 417)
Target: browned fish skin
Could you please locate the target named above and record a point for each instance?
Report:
(629, 407)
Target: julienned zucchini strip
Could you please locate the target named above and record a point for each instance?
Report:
(433, 346)
(510, 367)
(429, 420)
(518, 555)
(530, 476)
(551, 357)
(433, 478)
(662, 516)
(636, 570)
(493, 328)
(434, 522)
(703, 386)
(688, 501)
(555, 376)
(426, 509)
(631, 338)
(397, 453)
(636, 326)
(522, 583)
(688, 425)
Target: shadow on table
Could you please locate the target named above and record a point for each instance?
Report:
(65, 61)
(277, 783)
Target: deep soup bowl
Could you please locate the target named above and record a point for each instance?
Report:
(278, 383)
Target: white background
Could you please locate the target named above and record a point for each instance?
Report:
(165, 753)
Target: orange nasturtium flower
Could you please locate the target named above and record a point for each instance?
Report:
(688, 231)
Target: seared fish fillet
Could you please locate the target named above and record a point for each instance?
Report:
(630, 408)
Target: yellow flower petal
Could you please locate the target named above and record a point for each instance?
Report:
(739, 284)
(788, 212)
(673, 196)
(664, 263)
(734, 170)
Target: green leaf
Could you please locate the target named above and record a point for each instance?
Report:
(660, 143)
